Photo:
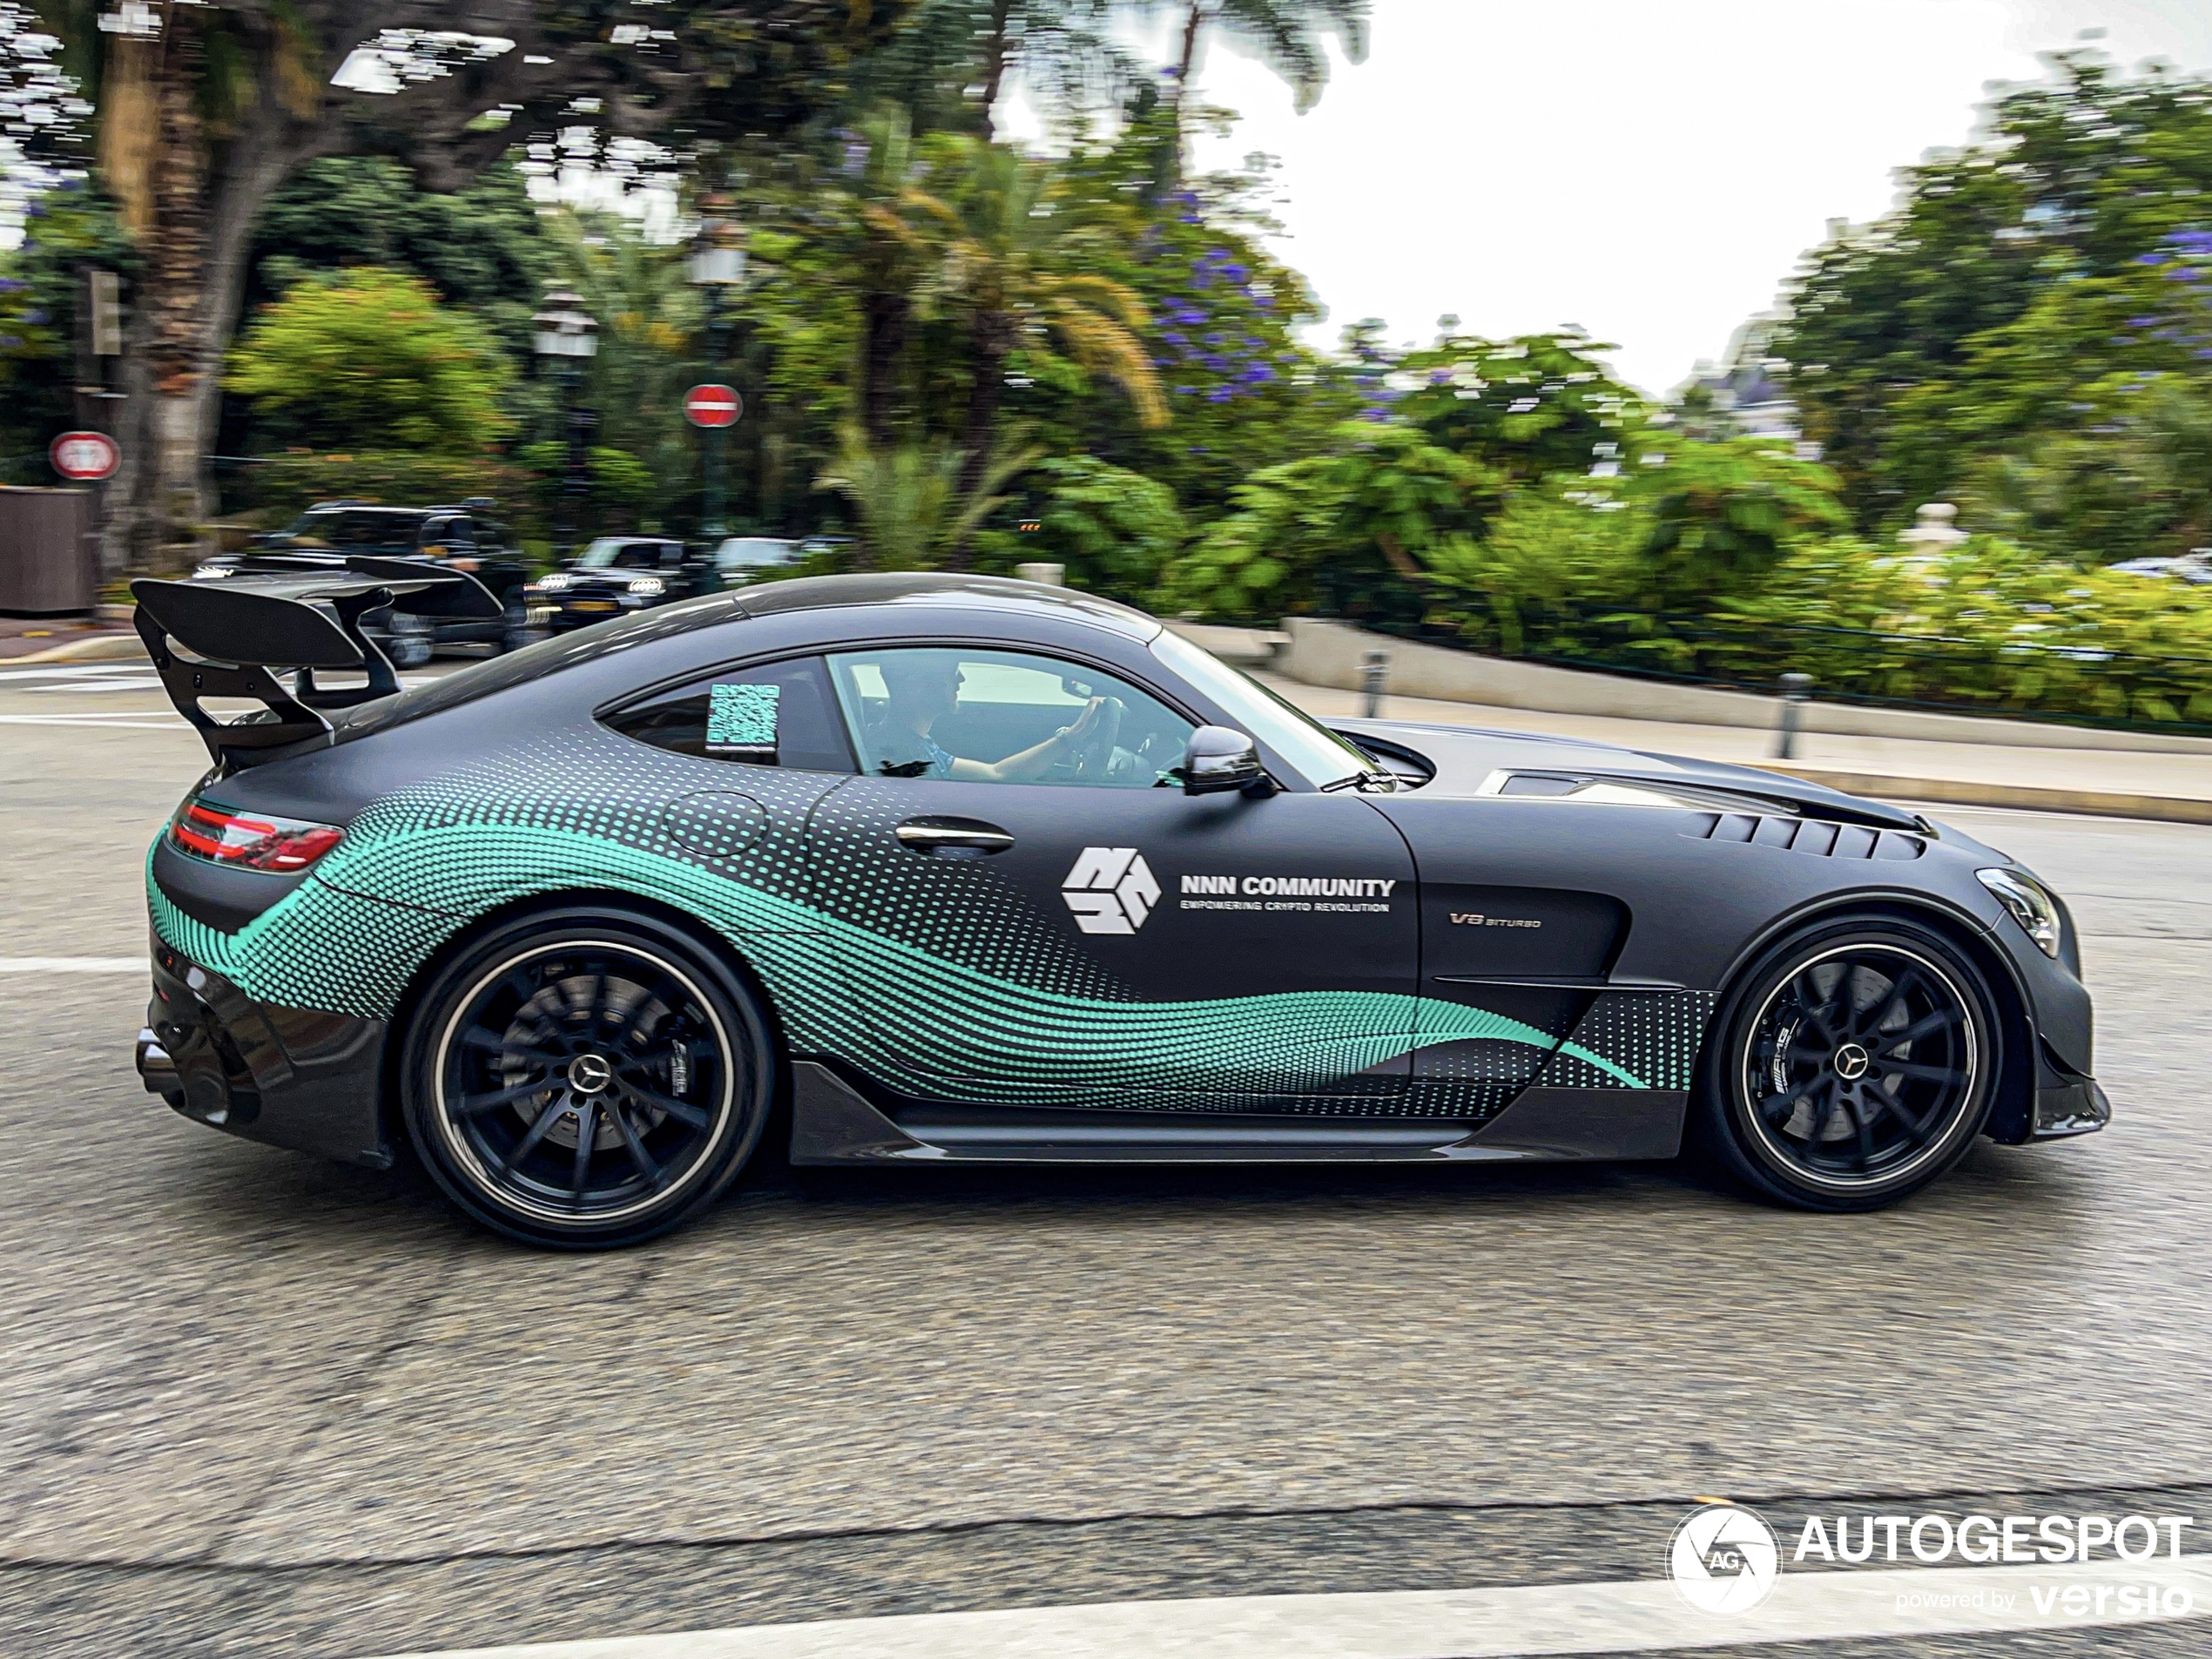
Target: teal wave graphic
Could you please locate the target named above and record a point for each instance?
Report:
(351, 937)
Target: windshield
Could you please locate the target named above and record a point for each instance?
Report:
(617, 553)
(358, 528)
(1320, 757)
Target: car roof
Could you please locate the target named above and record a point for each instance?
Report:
(940, 587)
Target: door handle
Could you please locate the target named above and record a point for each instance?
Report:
(954, 837)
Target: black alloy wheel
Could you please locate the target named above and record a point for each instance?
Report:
(1854, 1063)
(586, 1080)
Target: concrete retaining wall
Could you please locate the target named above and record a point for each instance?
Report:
(1329, 653)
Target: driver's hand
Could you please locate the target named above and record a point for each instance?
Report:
(1087, 722)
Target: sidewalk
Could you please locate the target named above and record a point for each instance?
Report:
(22, 636)
(2111, 782)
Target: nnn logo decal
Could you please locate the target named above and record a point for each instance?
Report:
(1111, 890)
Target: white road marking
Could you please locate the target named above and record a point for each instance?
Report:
(72, 965)
(75, 688)
(1618, 1617)
(148, 721)
(142, 671)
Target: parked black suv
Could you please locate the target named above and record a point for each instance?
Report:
(461, 537)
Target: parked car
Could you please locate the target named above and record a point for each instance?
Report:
(742, 559)
(615, 574)
(2193, 567)
(618, 574)
(462, 538)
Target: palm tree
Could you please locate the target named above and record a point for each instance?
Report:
(1023, 266)
(914, 502)
(1286, 33)
(896, 231)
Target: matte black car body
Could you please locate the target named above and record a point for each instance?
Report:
(1515, 953)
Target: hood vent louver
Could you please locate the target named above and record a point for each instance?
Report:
(1817, 836)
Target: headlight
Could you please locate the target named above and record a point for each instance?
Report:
(2034, 909)
(553, 584)
(645, 586)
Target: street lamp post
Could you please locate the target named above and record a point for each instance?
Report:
(566, 338)
(716, 266)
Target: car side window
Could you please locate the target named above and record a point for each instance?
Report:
(981, 716)
(777, 714)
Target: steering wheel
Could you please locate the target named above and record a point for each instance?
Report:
(1095, 753)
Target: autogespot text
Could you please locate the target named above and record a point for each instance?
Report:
(1990, 1540)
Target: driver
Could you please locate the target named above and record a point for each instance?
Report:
(923, 689)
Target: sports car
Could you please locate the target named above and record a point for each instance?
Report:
(922, 869)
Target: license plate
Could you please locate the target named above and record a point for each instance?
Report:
(593, 605)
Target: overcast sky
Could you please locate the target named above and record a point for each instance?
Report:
(1649, 169)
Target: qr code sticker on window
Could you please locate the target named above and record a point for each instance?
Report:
(741, 721)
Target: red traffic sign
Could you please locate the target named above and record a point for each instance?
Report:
(85, 455)
(712, 406)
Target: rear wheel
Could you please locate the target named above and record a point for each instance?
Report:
(1855, 1062)
(586, 1079)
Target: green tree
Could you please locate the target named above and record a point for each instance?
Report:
(916, 508)
(1115, 530)
(1022, 266)
(1285, 35)
(483, 246)
(1898, 330)
(1530, 406)
(1346, 532)
(1721, 515)
(369, 359)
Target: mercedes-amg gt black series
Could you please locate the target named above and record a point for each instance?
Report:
(940, 869)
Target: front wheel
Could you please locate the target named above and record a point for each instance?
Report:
(1853, 1064)
(586, 1079)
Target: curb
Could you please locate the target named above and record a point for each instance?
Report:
(1960, 792)
(106, 648)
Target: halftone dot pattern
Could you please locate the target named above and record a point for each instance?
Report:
(1469, 1101)
(1484, 1061)
(1655, 1035)
(911, 969)
(718, 825)
(960, 909)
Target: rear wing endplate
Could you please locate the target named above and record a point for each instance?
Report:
(229, 638)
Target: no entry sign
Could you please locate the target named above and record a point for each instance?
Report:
(712, 406)
(84, 456)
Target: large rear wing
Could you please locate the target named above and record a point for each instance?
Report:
(229, 638)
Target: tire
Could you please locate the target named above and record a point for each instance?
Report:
(564, 1020)
(1851, 1064)
(410, 640)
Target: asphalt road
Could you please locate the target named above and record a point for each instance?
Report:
(253, 1404)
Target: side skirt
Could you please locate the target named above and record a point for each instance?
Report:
(834, 1123)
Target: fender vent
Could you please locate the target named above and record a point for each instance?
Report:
(1813, 835)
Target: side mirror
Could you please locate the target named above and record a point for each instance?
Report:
(1217, 760)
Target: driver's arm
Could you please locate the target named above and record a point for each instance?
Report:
(1031, 762)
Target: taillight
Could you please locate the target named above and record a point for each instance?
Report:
(250, 841)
